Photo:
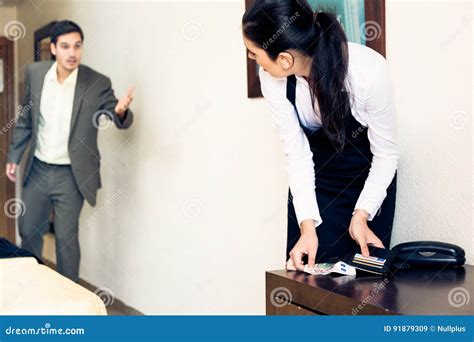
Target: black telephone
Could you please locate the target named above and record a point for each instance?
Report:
(422, 254)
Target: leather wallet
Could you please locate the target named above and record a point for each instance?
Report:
(380, 260)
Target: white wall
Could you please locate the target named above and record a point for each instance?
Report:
(199, 180)
(7, 15)
(193, 206)
(429, 49)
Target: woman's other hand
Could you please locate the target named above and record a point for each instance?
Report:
(307, 244)
(361, 233)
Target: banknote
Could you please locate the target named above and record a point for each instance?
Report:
(339, 267)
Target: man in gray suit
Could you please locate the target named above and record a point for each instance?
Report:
(60, 118)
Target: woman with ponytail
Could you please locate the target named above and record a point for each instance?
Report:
(333, 107)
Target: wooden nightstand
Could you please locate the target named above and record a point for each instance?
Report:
(404, 292)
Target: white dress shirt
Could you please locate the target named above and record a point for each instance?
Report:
(55, 117)
(372, 106)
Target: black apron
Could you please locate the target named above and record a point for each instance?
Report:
(340, 178)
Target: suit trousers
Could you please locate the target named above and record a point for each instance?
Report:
(52, 185)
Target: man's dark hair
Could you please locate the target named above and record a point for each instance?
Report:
(65, 27)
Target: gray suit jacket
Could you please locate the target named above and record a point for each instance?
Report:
(93, 95)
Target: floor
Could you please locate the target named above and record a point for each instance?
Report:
(122, 310)
(116, 308)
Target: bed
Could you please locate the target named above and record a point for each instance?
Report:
(28, 287)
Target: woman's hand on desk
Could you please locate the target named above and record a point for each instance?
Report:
(361, 233)
(307, 244)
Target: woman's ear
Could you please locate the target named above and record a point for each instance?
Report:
(285, 60)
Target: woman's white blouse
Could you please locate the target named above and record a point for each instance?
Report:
(372, 106)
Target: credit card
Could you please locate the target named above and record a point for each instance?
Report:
(369, 262)
(370, 257)
(369, 265)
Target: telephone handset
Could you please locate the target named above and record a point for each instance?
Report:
(418, 254)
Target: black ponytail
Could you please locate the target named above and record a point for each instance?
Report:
(280, 25)
(328, 75)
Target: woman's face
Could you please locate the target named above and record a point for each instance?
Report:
(275, 68)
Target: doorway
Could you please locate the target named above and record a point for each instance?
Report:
(7, 116)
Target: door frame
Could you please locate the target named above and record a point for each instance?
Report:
(8, 116)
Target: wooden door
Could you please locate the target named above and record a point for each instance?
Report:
(8, 203)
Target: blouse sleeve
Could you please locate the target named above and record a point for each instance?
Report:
(381, 124)
(296, 147)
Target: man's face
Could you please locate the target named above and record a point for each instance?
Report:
(68, 50)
